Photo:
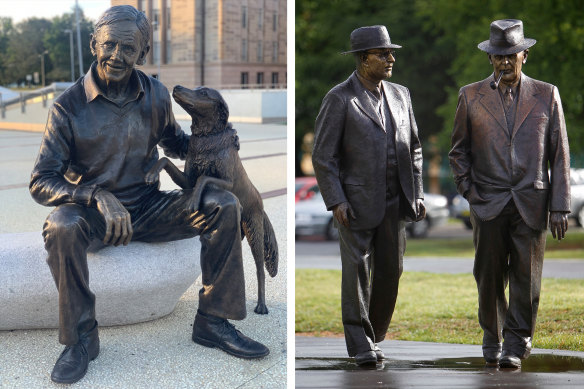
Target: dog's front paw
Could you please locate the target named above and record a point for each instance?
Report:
(151, 177)
(261, 309)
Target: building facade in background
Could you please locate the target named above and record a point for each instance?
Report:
(224, 44)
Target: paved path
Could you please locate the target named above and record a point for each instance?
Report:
(159, 353)
(552, 268)
(323, 363)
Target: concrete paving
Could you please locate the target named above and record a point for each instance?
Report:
(157, 353)
(323, 363)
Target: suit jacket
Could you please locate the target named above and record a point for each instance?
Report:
(350, 151)
(492, 165)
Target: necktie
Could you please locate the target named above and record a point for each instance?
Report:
(508, 98)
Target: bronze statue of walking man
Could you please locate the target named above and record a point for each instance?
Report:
(368, 162)
(508, 131)
(100, 141)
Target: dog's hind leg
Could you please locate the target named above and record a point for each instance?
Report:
(254, 232)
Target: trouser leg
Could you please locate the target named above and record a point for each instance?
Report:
(491, 241)
(171, 216)
(526, 263)
(67, 233)
(355, 289)
(386, 268)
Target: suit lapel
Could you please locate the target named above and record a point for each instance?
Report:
(491, 101)
(526, 101)
(363, 102)
(395, 103)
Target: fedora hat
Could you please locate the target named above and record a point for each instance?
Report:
(371, 37)
(506, 38)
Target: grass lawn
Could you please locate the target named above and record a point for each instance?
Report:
(440, 308)
(570, 247)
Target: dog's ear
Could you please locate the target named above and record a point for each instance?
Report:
(223, 114)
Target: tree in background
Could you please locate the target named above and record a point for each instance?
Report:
(21, 45)
(439, 56)
(58, 40)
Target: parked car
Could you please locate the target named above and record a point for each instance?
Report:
(312, 218)
(305, 188)
(577, 195)
(436, 215)
(461, 210)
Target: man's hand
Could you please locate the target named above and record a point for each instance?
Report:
(118, 223)
(558, 224)
(342, 212)
(420, 210)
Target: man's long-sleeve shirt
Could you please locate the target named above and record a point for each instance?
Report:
(91, 142)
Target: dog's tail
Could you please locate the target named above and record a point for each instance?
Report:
(270, 247)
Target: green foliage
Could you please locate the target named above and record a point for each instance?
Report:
(21, 45)
(440, 308)
(439, 55)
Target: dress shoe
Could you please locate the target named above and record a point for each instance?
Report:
(213, 331)
(378, 353)
(509, 360)
(366, 358)
(492, 354)
(73, 361)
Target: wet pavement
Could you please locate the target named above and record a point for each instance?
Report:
(323, 363)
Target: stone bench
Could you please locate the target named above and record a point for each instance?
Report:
(134, 283)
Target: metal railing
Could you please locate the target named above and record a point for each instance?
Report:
(23, 97)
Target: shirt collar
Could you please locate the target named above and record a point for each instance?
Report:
(514, 89)
(371, 86)
(92, 89)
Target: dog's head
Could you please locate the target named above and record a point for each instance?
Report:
(206, 107)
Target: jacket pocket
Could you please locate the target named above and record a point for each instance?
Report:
(352, 181)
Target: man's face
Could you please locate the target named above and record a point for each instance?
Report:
(118, 48)
(509, 64)
(378, 64)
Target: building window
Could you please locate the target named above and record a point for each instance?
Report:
(275, 22)
(244, 16)
(260, 79)
(244, 79)
(274, 79)
(261, 19)
(260, 51)
(143, 5)
(274, 52)
(155, 19)
(244, 50)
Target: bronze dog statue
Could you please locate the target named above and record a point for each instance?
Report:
(213, 158)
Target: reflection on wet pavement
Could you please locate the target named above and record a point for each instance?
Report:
(540, 363)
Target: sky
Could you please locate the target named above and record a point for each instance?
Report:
(19, 10)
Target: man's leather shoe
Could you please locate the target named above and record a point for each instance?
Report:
(213, 331)
(73, 361)
(492, 354)
(366, 358)
(509, 360)
(378, 353)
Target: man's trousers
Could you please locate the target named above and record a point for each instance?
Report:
(71, 228)
(372, 263)
(508, 251)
